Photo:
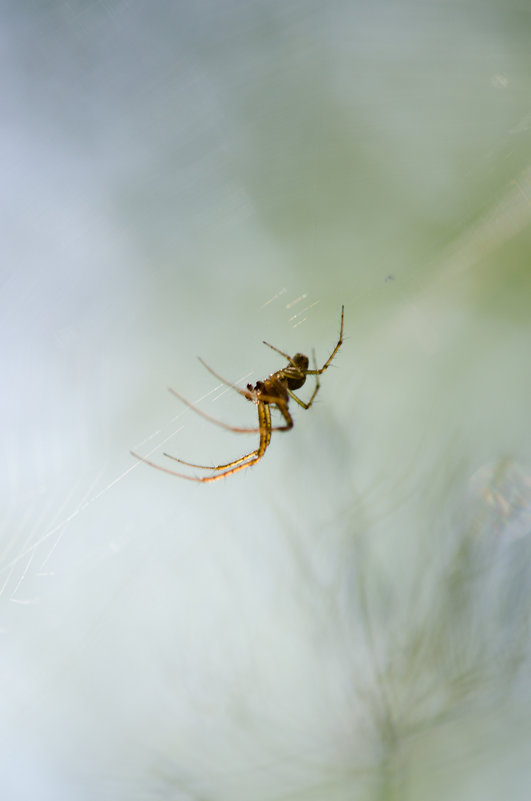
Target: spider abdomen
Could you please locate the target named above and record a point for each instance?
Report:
(296, 380)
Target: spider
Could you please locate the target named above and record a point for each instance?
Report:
(276, 390)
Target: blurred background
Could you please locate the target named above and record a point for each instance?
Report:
(350, 618)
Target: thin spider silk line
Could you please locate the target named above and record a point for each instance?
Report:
(30, 549)
(58, 527)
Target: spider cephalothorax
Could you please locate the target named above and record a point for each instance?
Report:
(276, 390)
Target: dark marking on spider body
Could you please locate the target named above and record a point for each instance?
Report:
(276, 391)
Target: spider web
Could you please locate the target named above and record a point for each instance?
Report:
(511, 215)
(48, 529)
(29, 554)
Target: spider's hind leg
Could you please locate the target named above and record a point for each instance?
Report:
(264, 421)
(211, 467)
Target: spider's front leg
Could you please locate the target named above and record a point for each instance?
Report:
(339, 343)
(209, 417)
(249, 394)
(316, 373)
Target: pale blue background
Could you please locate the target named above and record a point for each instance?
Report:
(350, 618)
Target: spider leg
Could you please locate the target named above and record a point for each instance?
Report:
(264, 420)
(245, 392)
(211, 467)
(264, 415)
(290, 360)
(263, 399)
(282, 406)
(339, 343)
(199, 411)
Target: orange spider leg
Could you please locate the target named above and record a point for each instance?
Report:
(264, 419)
